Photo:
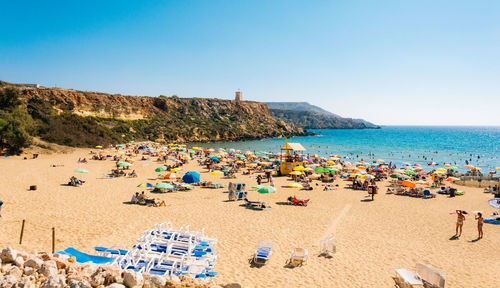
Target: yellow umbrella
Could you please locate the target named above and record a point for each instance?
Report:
(299, 168)
(217, 173)
(330, 162)
(294, 185)
(441, 170)
(175, 169)
(296, 173)
(98, 146)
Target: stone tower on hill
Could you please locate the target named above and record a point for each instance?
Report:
(238, 96)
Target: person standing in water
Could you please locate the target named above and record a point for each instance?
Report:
(480, 222)
(460, 222)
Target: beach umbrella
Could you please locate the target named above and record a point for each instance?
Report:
(175, 169)
(164, 186)
(81, 170)
(191, 177)
(498, 168)
(171, 175)
(432, 164)
(214, 158)
(408, 184)
(417, 165)
(217, 173)
(447, 165)
(295, 173)
(145, 185)
(395, 175)
(123, 164)
(257, 187)
(421, 183)
(469, 166)
(410, 172)
(314, 156)
(266, 189)
(98, 146)
(495, 203)
(314, 176)
(300, 168)
(451, 179)
(320, 169)
(332, 170)
(294, 185)
(441, 170)
(161, 169)
(379, 160)
(455, 166)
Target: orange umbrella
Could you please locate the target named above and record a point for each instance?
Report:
(314, 155)
(451, 179)
(469, 166)
(422, 183)
(171, 175)
(408, 184)
(419, 169)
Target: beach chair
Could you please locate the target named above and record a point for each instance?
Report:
(431, 276)
(327, 247)
(263, 253)
(425, 276)
(255, 205)
(299, 257)
(111, 251)
(84, 257)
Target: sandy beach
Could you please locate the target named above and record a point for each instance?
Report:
(373, 238)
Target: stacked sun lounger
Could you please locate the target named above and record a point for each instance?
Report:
(166, 251)
(161, 251)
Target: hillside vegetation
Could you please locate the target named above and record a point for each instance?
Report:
(84, 119)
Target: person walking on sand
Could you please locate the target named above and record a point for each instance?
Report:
(460, 222)
(480, 222)
(1, 203)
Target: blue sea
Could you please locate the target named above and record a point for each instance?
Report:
(415, 144)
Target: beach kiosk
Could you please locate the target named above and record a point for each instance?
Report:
(290, 158)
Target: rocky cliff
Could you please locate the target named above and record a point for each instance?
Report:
(83, 118)
(307, 116)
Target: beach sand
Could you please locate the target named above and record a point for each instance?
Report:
(373, 238)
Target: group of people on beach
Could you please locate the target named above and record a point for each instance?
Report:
(460, 223)
(145, 200)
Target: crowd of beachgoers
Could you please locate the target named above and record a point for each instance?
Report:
(254, 180)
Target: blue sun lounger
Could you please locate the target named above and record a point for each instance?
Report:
(263, 252)
(84, 257)
(110, 251)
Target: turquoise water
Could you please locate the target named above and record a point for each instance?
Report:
(397, 144)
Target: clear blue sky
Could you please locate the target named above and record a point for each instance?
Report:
(390, 62)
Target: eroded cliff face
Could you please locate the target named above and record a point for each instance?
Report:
(148, 118)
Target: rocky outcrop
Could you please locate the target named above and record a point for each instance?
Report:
(47, 271)
(83, 118)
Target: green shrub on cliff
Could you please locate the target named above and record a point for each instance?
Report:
(16, 124)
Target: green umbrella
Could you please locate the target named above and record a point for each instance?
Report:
(395, 175)
(81, 170)
(161, 168)
(257, 187)
(164, 186)
(320, 169)
(266, 189)
(333, 170)
(123, 164)
(410, 172)
(455, 166)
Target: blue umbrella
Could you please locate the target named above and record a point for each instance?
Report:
(215, 159)
(142, 147)
(191, 177)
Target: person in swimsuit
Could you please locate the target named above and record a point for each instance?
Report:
(460, 222)
(480, 222)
